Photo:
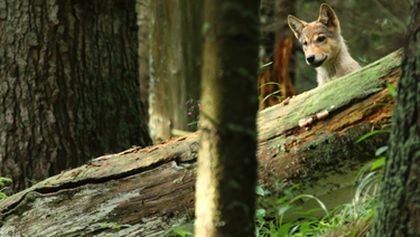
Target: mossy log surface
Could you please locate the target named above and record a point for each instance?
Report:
(308, 140)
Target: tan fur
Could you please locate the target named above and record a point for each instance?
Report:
(323, 45)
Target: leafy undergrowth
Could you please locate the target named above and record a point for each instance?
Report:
(347, 220)
(350, 219)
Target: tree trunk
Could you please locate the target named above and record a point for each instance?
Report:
(227, 168)
(176, 38)
(69, 86)
(274, 80)
(399, 210)
(144, 19)
(152, 189)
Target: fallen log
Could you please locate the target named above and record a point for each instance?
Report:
(307, 140)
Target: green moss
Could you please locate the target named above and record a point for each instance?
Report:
(353, 86)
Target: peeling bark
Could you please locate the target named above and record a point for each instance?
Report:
(152, 189)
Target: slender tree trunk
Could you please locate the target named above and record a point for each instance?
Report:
(144, 22)
(399, 211)
(175, 67)
(225, 196)
(69, 84)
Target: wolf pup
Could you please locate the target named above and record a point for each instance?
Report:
(323, 45)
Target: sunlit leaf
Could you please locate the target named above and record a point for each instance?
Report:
(284, 229)
(381, 150)
(260, 213)
(392, 89)
(370, 134)
(378, 163)
(309, 196)
(283, 210)
(274, 93)
(260, 191)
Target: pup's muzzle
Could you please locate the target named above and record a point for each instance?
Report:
(312, 61)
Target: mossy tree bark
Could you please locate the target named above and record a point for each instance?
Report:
(175, 67)
(399, 211)
(69, 84)
(227, 168)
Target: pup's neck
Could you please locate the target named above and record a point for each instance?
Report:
(337, 66)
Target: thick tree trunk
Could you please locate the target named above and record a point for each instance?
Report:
(152, 189)
(175, 67)
(227, 166)
(69, 86)
(399, 211)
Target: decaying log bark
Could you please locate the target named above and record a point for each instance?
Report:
(308, 140)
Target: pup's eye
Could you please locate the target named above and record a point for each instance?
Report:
(305, 43)
(321, 39)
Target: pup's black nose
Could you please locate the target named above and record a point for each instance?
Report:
(310, 59)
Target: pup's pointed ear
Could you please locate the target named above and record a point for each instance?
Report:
(328, 17)
(296, 25)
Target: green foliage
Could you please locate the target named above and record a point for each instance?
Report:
(346, 220)
(392, 89)
(112, 226)
(275, 93)
(4, 182)
(370, 134)
(308, 196)
(183, 230)
(2, 195)
(186, 230)
(378, 163)
(262, 67)
(349, 219)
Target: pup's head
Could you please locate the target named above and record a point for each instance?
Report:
(321, 38)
